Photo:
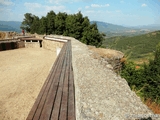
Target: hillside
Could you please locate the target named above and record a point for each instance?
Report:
(10, 26)
(137, 47)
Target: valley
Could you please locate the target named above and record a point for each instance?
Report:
(139, 48)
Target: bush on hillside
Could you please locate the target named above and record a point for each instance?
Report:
(146, 79)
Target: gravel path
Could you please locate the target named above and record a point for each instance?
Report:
(100, 93)
(22, 74)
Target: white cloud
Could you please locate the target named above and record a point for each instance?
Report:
(87, 7)
(32, 5)
(90, 11)
(64, 1)
(108, 12)
(121, 1)
(54, 8)
(97, 5)
(42, 10)
(118, 11)
(144, 5)
(79, 9)
(1, 10)
(106, 5)
(6, 2)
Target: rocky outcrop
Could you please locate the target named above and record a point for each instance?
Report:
(100, 93)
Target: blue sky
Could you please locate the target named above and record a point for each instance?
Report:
(121, 12)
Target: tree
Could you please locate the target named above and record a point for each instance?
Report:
(27, 22)
(74, 26)
(91, 36)
(51, 22)
(60, 23)
(43, 25)
(152, 73)
(35, 25)
(85, 23)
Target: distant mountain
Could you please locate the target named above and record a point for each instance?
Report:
(149, 27)
(10, 26)
(112, 30)
(108, 27)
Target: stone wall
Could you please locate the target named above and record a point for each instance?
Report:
(51, 45)
(8, 45)
(100, 93)
(32, 44)
(20, 44)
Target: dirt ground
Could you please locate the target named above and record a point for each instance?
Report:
(22, 74)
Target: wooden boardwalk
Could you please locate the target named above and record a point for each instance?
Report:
(56, 100)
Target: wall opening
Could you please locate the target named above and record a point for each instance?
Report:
(11, 45)
(28, 40)
(34, 40)
(3, 46)
(40, 42)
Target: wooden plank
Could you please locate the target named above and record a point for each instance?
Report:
(38, 100)
(56, 100)
(46, 112)
(64, 102)
(46, 91)
(57, 103)
(71, 100)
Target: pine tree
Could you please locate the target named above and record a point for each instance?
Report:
(27, 22)
(43, 25)
(51, 22)
(35, 25)
(74, 26)
(91, 36)
(60, 23)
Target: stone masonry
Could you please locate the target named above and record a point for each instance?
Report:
(100, 93)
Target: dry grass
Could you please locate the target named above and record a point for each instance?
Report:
(153, 106)
(106, 53)
(5, 35)
(2, 35)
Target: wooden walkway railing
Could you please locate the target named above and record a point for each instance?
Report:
(56, 100)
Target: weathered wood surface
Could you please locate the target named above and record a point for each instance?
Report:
(56, 100)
